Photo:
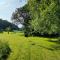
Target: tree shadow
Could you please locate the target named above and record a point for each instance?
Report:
(53, 47)
(46, 35)
(41, 46)
(48, 48)
(55, 41)
(56, 45)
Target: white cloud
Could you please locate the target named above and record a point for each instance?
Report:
(8, 6)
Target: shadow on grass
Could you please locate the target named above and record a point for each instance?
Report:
(48, 48)
(52, 47)
(56, 45)
(45, 35)
(40, 46)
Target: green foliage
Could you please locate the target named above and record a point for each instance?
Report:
(4, 24)
(45, 16)
(4, 50)
(40, 16)
(8, 29)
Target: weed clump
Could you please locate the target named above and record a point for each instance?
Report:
(4, 50)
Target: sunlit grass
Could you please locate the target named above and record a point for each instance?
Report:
(30, 48)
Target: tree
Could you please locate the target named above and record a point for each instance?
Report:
(40, 17)
(8, 29)
(4, 24)
(45, 16)
(22, 16)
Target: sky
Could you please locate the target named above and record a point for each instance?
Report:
(7, 7)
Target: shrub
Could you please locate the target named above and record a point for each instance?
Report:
(4, 50)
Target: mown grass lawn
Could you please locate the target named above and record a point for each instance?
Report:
(31, 48)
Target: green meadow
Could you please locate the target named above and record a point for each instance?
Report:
(31, 48)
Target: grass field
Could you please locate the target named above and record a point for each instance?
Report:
(31, 48)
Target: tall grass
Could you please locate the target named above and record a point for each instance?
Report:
(31, 48)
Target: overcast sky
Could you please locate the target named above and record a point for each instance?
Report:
(7, 7)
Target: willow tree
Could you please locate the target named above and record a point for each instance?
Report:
(45, 16)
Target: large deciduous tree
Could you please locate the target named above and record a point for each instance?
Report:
(22, 16)
(44, 16)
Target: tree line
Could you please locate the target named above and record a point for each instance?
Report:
(39, 17)
(5, 26)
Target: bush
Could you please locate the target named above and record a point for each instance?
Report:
(4, 50)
